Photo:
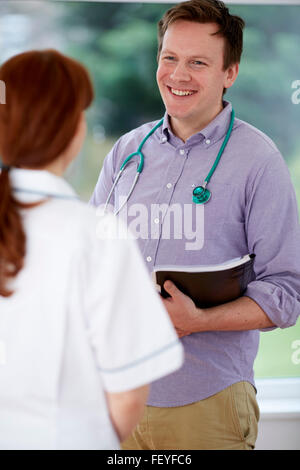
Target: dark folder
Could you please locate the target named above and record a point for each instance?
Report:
(208, 285)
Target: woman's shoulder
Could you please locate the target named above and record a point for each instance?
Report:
(83, 223)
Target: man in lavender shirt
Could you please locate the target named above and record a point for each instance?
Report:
(210, 402)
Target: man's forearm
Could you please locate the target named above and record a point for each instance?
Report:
(240, 314)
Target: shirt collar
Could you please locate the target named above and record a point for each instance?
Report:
(41, 183)
(214, 131)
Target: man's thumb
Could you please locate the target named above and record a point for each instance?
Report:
(170, 287)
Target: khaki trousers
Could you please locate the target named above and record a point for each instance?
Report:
(226, 420)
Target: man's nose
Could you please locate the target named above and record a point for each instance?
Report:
(180, 73)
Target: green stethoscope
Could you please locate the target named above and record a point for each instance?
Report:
(201, 194)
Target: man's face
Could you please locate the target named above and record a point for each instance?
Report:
(190, 73)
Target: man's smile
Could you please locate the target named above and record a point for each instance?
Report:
(181, 92)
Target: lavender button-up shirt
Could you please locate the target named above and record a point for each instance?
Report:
(252, 209)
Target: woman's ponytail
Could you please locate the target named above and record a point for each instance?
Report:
(12, 236)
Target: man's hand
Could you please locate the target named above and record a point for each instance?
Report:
(181, 309)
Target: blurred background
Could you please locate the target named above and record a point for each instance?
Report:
(117, 43)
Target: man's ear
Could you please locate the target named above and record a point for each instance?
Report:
(230, 75)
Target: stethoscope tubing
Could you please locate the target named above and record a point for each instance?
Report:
(138, 171)
(141, 164)
(220, 153)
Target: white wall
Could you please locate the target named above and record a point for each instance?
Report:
(279, 402)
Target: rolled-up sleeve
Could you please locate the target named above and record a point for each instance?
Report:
(273, 232)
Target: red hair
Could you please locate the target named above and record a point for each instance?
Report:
(46, 93)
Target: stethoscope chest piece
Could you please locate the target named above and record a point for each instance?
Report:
(201, 195)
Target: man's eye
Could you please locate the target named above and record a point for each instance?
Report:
(198, 62)
(169, 57)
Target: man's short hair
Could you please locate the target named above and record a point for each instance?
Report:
(208, 11)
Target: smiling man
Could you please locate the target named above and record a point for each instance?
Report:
(210, 403)
(191, 75)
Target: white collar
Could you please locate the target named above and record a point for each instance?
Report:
(40, 183)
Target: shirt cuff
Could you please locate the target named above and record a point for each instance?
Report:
(279, 306)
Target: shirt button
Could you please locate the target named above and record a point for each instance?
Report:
(149, 259)
(169, 185)
(164, 139)
(207, 141)
(182, 152)
(156, 221)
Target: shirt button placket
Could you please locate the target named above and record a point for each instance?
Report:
(150, 248)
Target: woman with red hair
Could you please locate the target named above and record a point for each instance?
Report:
(78, 316)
